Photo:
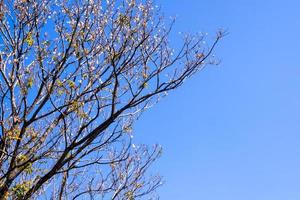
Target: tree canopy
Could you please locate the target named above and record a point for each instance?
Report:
(74, 76)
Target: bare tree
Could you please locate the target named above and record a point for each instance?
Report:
(74, 76)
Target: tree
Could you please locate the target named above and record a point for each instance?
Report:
(74, 76)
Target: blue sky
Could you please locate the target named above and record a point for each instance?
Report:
(232, 132)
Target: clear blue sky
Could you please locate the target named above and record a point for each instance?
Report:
(232, 132)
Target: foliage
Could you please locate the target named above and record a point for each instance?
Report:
(74, 76)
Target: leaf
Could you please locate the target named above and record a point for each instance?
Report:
(20, 189)
(21, 158)
(29, 40)
(127, 129)
(30, 82)
(71, 84)
(59, 83)
(145, 75)
(200, 55)
(29, 168)
(145, 85)
(60, 92)
(124, 20)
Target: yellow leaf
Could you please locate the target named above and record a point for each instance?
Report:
(30, 82)
(71, 84)
(60, 92)
(29, 40)
(145, 85)
(59, 83)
